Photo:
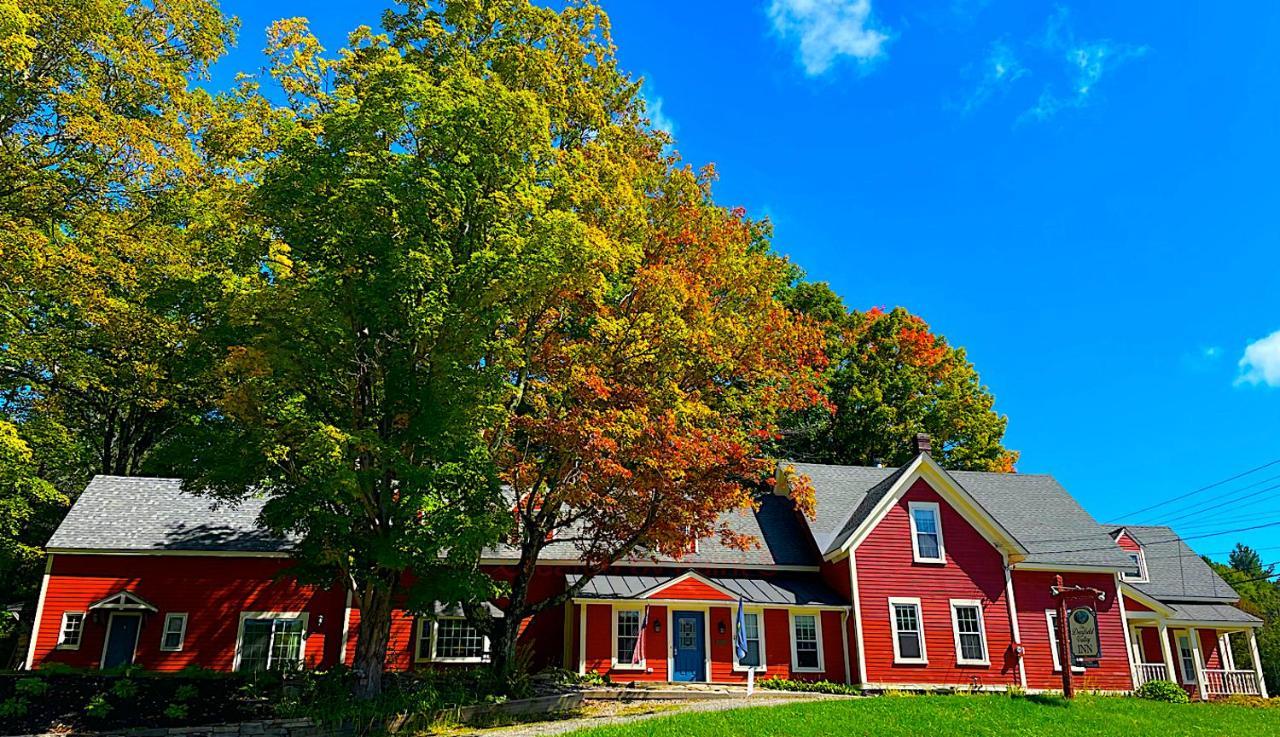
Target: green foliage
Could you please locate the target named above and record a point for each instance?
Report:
(176, 711)
(98, 707)
(33, 687)
(827, 687)
(13, 708)
(325, 696)
(124, 689)
(890, 378)
(1166, 691)
(186, 692)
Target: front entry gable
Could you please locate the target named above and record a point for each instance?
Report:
(690, 586)
(873, 510)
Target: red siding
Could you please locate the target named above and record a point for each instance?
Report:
(600, 646)
(974, 570)
(211, 590)
(836, 575)
(1135, 606)
(1128, 543)
(1150, 650)
(691, 589)
(1031, 589)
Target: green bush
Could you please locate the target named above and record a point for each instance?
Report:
(125, 689)
(13, 708)
(33, 687)
(1166, 691)
(176, 711)
(98, 707)
(186, 692)
(826, 687)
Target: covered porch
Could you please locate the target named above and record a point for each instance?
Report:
(1197, 645)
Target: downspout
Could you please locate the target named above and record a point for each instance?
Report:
(844, 636)
(1015, 628)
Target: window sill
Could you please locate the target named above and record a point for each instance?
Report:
(808, 670)
(931, 561)
(641, 666)
(973, 663)
(901, 661)
(744, 668)
(472, 661)
(66, 647)
(1074, 669)
(170, 649)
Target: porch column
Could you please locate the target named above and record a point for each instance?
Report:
(1257, 661)
(1167, 652)
(1202, 685)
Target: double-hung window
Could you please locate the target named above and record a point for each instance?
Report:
(908, 631)
(450, 640)
(926, 533)
(752, 633)
(626, 640)
(72, 629)
(1051, 619)
(175, 632)
(806, 636)
(1186, 658)
(970, 633)
(271, 642)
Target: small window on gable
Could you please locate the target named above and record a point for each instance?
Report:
(175, 632)
(926, 533)
(72, 628)
(1139, 559)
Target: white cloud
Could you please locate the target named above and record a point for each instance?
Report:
(658, 120)
(1087, 63)
(1000, 69)
(1261, 362)
(827, 30)
(1212, 352)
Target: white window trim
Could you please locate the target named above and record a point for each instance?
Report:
(182, 632)
(626, 664)
(62, 629)
(1187, 679)
(982, 632)
(764, 660)
(1143, 576)
(427, 628)
(915, 540)
(817, 632)
(896, 601)
(1049, 616)
(306, 631)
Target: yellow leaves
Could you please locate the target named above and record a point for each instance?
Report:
(16, 44)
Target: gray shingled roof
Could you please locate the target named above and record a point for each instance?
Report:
(1034, 508)
(1175, 571)
(780, 532)
(1212, 613)
(796, 590)
(133, 513)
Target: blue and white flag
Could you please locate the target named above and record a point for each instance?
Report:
(740, 637)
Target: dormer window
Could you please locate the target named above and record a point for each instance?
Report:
(1139, 559)
(926, 533)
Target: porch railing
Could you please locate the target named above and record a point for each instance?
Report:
(1220, 682)
(1152, 672)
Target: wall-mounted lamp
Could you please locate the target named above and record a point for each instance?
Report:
(657, 625)
(720, 626)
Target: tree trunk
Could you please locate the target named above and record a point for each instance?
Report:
(502, 646)
(372, 639)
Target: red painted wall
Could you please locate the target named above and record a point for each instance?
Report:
(211, 590)
(1128, 543)
(599, 643)
(691, 589)
(836, 575)
(974, 570)
(1031, 590)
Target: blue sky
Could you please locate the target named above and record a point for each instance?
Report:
(1082, 195)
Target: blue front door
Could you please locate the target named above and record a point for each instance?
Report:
(122, 639)
(688, 647)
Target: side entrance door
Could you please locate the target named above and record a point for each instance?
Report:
(688, 647)
(122, 640)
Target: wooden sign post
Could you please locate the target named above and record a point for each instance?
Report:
(1066, 658)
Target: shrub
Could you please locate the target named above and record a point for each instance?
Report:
(176, 711)
(1253, 702)
(1166, 691)
(186, 692)
(98, 707)
(13, 708)
(33, 687)
(124, 689)
(826, 687)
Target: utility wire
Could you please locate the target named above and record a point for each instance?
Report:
(1193, 492)
(1226, 502)
(1167, 540)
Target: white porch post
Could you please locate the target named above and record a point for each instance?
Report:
(1257, 662)
(1167, 652)
(1193, 636)
(1224, 646)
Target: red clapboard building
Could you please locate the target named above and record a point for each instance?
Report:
(907, 578)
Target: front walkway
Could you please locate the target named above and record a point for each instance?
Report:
(598, 713)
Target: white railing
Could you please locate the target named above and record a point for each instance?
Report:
(1219, 682)
(1151, 672)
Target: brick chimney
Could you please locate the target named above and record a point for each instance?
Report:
(922, 443)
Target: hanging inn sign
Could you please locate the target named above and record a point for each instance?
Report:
(1078, 640)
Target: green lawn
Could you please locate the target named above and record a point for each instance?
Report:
(970, 716)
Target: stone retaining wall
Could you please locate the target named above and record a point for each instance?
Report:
(269, 728)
